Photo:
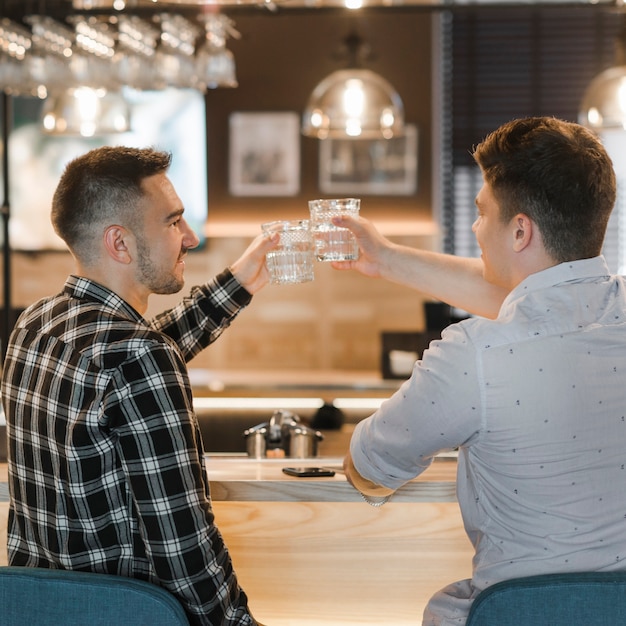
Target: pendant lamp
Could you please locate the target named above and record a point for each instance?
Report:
(353, 103)
(86, 111)
(603, 105)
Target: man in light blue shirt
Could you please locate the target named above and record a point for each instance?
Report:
(535, 398)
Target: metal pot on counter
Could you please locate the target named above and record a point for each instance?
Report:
(282, 436)
(256, 440)
(303, 442)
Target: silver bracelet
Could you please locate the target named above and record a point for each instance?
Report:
(375, 501)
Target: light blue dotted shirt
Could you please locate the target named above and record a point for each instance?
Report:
(536, 402)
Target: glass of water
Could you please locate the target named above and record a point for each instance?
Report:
(333, 243)
(291, 261)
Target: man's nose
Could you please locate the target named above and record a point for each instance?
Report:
(190, 239)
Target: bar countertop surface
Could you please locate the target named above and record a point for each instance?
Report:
(240, 478)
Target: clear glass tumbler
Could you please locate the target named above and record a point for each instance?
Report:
(331, 242)
(291, 261)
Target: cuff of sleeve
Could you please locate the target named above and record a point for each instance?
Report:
(365, 486)
(236, 291)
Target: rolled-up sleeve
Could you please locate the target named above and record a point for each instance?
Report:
(437, 409)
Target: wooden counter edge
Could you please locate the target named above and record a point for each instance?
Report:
(324, 491)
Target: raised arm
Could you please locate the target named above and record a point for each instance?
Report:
(455, 280)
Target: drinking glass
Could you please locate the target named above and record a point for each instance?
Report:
(291, 261)
(333, 243)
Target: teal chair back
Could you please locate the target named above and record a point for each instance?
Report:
(38, 597)
(573, 599)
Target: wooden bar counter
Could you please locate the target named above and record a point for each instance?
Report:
(240, 478)
(310, 551)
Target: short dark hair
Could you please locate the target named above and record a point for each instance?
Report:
(99, 188)
(559, 174)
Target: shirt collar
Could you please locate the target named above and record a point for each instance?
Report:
(86, 289)
(569, 271)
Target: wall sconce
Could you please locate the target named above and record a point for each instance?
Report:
(354, 103)
(603, 105)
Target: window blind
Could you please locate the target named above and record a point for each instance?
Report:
(503, 63)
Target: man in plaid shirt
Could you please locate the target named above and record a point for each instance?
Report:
(106, 464)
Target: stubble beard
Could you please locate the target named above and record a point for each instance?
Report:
(157, 279)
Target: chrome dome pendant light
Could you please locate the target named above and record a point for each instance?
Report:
(603, 105)
(353, 103)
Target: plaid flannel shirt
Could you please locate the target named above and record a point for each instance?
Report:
(106, 465)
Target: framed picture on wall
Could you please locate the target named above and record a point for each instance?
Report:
(264, 154)
(383, 167)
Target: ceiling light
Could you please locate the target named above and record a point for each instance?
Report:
(353, 103)
(603, 105)
(86, 111)
(90, 103)
(604, 102)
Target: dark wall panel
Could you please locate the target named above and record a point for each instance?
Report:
(280, 58)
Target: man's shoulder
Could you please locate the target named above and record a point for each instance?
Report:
(481, 333)
(105, 335)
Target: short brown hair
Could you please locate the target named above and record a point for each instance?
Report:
(100, 188)
(559, 174)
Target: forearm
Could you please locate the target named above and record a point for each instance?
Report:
(458, 281)
(202, 316)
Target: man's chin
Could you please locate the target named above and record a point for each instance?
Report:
(174, 286)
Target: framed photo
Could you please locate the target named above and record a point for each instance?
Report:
(383, 167)
(264, 154)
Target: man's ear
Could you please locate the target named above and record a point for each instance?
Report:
(522, 227)
(118, 243)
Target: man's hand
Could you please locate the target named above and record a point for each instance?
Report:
(249, 269)
(372, 246)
